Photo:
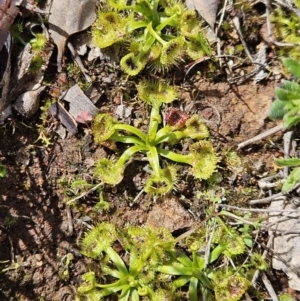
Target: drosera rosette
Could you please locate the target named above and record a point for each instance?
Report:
(133, 279)
(157, 33)
(179, 126)
(189, 271)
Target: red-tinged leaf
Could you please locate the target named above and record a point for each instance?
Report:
(176, 118)
(84, 117)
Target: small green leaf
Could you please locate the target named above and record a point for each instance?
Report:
(103, 127)
(3, 171)
(288, 91)
(248, 242)
(215, 254)
(277, 109)
(292, 180)
(296, 102)
(193, 296)
(186, 261)
(181, 281)
(291, 162)
(290, 121)
(200, 262)
(135, 296)
(293, 66)
(125, 294)
(113, 255)
(205, 281)
(136, 25)
(204, 159)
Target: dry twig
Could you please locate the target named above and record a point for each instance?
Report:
(273, 198)
(261, 136)
(287, 137)
(83, 194)
(78, 61)
(269, 287)
(256, 209)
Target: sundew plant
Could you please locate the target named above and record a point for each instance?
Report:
(143, 263)
(157, 33)
(201, 156)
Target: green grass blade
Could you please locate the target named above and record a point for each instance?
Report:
(193, 289)
(176, 270)
(117, 260)
(291, 162)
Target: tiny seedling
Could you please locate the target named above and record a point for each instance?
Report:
(179, 125)
(65, 269)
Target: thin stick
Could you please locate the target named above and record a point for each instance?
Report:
(293, 269)
(264, 255)
(280, 220)
(273, 198)
(222, 16)
(217, 31)
(45, 30)
(267, 185)
(256, 209)
(12, 252)
(236, 23)
(208, 245)
(70, 223)
(248, 298)
(269, 287)
(83, 194)
(281, 232)
(270, 37)
(191, 231)
(77, 59)
(261, 136)
(287, 137)
(137, 197)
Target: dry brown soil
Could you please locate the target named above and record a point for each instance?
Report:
(37, 229)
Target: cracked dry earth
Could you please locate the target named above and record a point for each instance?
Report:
(38, 230)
